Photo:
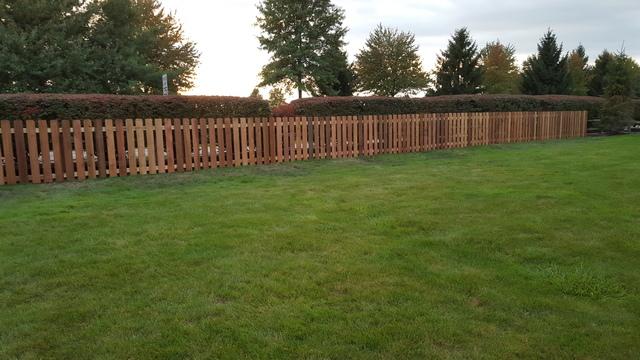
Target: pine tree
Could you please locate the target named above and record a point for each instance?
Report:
(500, 72)
(389, 64)
(92, 46)
(458, 70)
(340, 81)
(599, 73)
(135, 42)
(578, 68)
(302, 37)
(42, 46)
(619, 87)
(546, 72)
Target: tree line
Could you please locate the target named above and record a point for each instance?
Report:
(306, 43)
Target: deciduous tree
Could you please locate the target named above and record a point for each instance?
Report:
(578, 67)
(302, 37)
(500, 71)
(389, 64)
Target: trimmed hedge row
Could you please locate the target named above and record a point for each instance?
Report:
(337, 106)
(63, 106)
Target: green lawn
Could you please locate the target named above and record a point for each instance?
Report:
(514, 251)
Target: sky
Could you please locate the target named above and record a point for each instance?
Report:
(225, 31)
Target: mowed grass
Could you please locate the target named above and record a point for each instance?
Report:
(512, 251)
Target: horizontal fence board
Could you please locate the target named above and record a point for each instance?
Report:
(46, 151)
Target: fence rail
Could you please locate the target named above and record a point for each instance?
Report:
(48, 151)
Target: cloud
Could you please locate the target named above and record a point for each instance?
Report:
(231, 58)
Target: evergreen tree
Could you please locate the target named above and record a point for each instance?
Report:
(134, 43)
(458, 70)
(340, 81)
(42, 46)
(92, 46)
(500, 72)
(599, 73)
(302, 37)
(619, 87)
(578, 68)
(546, 72)
(389, 64)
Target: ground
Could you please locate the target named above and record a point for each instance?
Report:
(511, 251)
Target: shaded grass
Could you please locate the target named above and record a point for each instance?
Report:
(528, 250)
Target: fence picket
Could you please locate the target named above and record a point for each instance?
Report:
(90, 150)
(7, 147)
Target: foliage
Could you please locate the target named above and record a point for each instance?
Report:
(599, 73)
(500, 71)
(278, 96)
(578, 67)
(41, 46)
(303, 38)
(619, 87)
(56, 106)
(107, 46)
(135, 43)
(255, 94)
(458, 70)
(342, 81)
(408, 256)
(442, 104)
(546, 72)
(389, 64)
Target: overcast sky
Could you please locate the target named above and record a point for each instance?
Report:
(225, 33)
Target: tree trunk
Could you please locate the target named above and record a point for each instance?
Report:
(299, 86)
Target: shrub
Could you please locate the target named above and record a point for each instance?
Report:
(62, 106)
(328, 106)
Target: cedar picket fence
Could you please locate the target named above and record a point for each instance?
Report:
(48, 151)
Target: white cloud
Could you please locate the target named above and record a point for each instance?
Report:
(231, 59)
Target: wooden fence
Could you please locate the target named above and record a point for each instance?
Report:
(48, 151)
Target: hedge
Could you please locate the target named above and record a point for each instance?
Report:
(337, 106)
(63, 106)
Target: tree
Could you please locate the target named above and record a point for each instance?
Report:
(578, 68)
(42, 48)
(302, 37)
(389, 64)
(134, 43)
(599, 73)
(255, 93)
(458, 70)
(341, 80)
(546, 72)
(500, 72)
(619, 87)
(97, 46)
(278, 96)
